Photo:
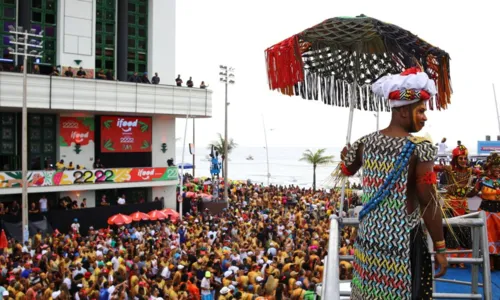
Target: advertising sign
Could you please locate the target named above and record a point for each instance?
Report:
(486, 147)
(121, 175)
(125, 134)
(79, 131)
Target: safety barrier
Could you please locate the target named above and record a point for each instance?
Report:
(480, 257)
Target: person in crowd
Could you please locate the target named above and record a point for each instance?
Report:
(155, 79)
(33, 209)
(55, 72)
(121, 200)
(110, 75)
(97, 164)
(43, 203)
(60, 165)
(100, 75)
(84, 203)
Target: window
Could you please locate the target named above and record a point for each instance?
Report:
(44, 17)
(105, 35)
(7, 17)
(137, 36)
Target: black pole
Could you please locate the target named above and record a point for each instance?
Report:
(122, 41)
(24, 11)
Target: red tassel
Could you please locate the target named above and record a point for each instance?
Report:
(284, 65)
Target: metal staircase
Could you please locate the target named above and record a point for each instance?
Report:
(330, 287)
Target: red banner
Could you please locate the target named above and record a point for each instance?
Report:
(125, 134)
(76, 130)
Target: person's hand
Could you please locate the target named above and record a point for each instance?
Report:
(344, 151)
(441, 263)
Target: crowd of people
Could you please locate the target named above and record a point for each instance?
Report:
(256, 249)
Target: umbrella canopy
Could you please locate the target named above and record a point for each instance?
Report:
(325, 60)
(139, 216)
(3, 240)
(119, 220)
(171, 214)
(157, 215)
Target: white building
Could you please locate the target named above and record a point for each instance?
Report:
(129, 126)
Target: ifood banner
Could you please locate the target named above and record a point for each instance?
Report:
(125, 134)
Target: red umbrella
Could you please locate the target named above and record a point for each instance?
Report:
(119, 219)
(139, 216)
(3, 240)
(171, 213)
(157, 215)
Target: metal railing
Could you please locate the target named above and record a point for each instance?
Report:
(480, 257)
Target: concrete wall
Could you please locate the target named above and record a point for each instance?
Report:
(161, 40)
(79, 195)
(163, 132)
(76, 33)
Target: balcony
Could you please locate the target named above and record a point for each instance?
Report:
(79, 180)
(61, 93)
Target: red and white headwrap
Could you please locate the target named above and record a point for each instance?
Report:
(406, 88)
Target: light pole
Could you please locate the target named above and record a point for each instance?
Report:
(20, 39)
(267, 151)
(227, 77)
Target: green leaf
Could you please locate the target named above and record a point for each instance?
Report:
(62, 142)
(107, 124)
(144, 126)
(145, 145)
(15, 175)
(89, 122)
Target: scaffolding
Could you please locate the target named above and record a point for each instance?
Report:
(480, 257)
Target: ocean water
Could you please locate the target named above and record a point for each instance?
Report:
(284, 165)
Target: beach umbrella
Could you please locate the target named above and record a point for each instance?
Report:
(157, 215)
(119, 220)
(139, 216)
(190, 194)
(171, 214)
(3, 240)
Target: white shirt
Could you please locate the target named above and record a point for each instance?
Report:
(116, 263)
(43, 203)
(205, 284)
(121, 201)
(442, 148)
(75, 227)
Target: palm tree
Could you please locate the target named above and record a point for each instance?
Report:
(219, 145)
(316, 159)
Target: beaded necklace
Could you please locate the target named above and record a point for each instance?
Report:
(390, 180)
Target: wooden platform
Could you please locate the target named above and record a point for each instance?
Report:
(213, 207)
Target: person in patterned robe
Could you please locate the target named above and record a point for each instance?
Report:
(391, 259)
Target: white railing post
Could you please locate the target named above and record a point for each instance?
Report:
(332, 286)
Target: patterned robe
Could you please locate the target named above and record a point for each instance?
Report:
(391, 256)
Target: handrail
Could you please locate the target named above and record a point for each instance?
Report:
(476, 220)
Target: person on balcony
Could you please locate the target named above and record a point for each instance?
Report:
(189, 83)
(155, 79)
(135, 78)
(81, 73)
(145, 79)
(203, 85)
(178, 81)
(69, 72)
(60, 165)
(399, 180)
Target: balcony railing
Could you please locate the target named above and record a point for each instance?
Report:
(54, 92)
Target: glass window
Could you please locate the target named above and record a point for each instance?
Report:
(98, 63)
(131, 43)
(36, 16)
(131, 67)
(50, 18)
(36, 3)
(9, 12)
(110, 65)
(138, 32)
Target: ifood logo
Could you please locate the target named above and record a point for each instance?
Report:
(126, 126)
(79, 137)
(145, 174)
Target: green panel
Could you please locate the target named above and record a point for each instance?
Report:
(7, 17)
(7, 133)
(137, 55)
(44, 17)
(105, 34)
(42, 137)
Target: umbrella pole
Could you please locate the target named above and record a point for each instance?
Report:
(348, 139)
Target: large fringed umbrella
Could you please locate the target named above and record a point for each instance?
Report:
(172, 214)
(3, 240)
(337, 60)
(139, 216)
(119, 220)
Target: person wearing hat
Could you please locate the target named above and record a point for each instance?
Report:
(403, 187)
(206, 289)
(224, 293)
